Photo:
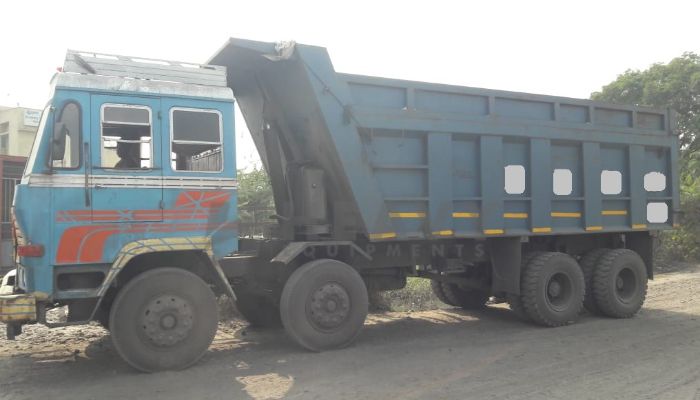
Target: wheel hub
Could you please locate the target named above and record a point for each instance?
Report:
(554, 289)
(167, 320)
(329, 306)
(626, 285)
(559, 291)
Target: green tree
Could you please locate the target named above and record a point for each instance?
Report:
(255, 201)
(675, 85)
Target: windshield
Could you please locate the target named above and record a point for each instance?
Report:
(37, 141)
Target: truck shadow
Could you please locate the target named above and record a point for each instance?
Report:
(265, 364)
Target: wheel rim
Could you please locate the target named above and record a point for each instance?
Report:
(167, 320)
(625, 284)
(559, 290)
(328, 307)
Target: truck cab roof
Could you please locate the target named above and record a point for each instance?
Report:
(108, 72)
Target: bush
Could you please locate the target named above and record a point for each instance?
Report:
(683, 243)
(416, 296)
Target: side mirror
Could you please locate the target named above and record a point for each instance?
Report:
(58, 141)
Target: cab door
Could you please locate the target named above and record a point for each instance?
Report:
(125, 166)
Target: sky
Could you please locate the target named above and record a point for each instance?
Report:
(565, 48)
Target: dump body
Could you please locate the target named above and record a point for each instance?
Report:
(409, 160)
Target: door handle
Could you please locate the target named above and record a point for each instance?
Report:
(99, 187)
(86, 150)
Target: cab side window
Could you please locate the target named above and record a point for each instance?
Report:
(65, 143)
(126, 137)
(195, 136)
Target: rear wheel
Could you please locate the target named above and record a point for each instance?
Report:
(324, 305)
(438, 291)
(552, 289)
(620, 283)
(514, 300)
(467, 298)
(163, 319)
(588, 264)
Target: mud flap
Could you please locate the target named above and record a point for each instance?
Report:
(642, 243)
(223, 281)
(505, 255)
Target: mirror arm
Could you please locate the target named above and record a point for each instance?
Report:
(51, 155)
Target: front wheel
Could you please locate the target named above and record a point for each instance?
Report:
(163, 319)
(324, 305)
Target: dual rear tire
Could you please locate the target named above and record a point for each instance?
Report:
(552, 289)
(618, 284)
(555, 288)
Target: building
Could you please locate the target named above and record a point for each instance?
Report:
(18, 126)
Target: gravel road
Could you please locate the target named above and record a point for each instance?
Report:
(421, 355)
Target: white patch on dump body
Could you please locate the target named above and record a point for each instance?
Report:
(562, 182)
(654, 182)
(657, 213)
(610, 182)
(514, 179)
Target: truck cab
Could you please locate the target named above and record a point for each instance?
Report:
(133, 157)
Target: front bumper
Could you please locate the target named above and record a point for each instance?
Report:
(18, 308)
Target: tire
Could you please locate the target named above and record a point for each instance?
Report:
(620, 283)
(515, 301)
(552, 289)
(258, 311)
(467, 298)
(163, 296)
(436, 286)
(588, 263)
(324, 305)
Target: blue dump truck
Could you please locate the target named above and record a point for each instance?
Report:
(127, 210)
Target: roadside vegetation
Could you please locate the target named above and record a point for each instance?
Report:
(675, 85)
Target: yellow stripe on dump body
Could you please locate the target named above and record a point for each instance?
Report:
(386, 235)
(515, 215)
(614, 212)
(447, 232)
(465, 215)
(639, 226)
(594, 228)
(407, 214)
(566, 215)
(541, 230)
(493, 231)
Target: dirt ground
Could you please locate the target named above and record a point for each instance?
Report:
(422, 355)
